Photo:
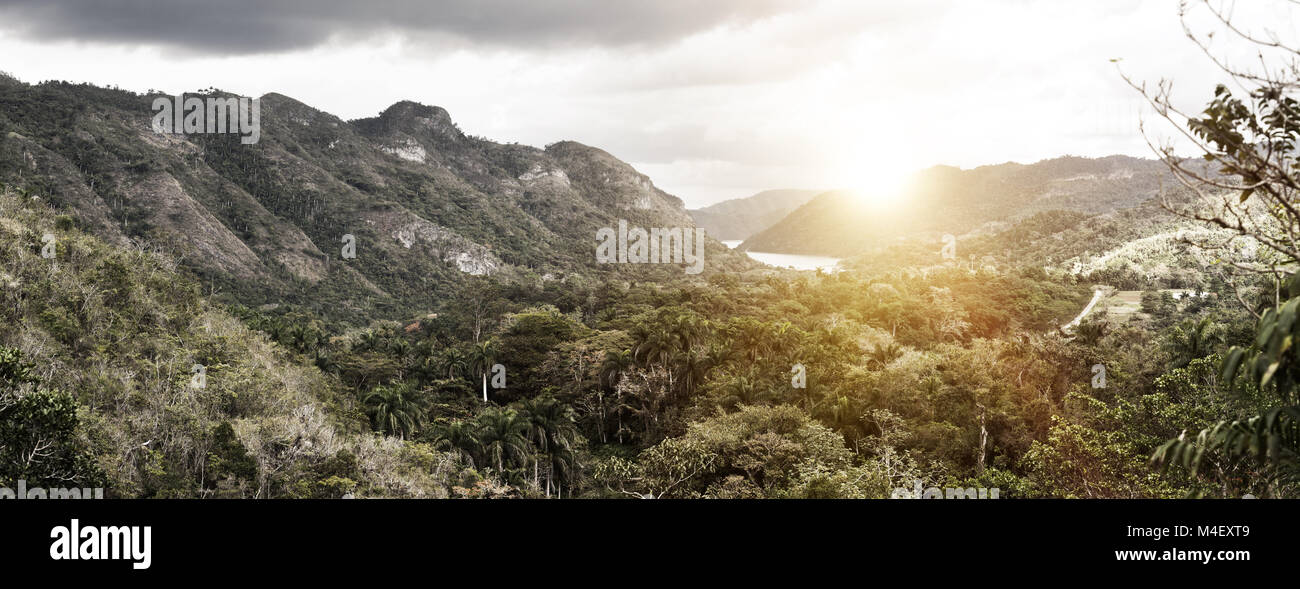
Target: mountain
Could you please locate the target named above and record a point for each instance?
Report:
(740, 218)
(426, 205)
(948, 200)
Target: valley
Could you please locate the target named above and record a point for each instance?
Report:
(279, 278)
(501, 320)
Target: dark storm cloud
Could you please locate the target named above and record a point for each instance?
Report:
(257, 26)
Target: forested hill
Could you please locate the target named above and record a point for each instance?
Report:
(428, 205)
(116, 372)
(740, 218)
(947, 200)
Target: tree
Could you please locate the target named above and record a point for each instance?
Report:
(1272, 438)
(1077, 461)
(769, 451)
(532, 336)
(481, 301)
(229, 468)
(502, 436)
(647, 392)
(611, 373)
(459, 436)
(1090, 332)
(38, 431)
(883, 354)
(691, 367)
(394, 409)
(451, 362)
(654, 344)
(1192, 339)
(613, 366)
(689, 329)
(1245, 184)
(1247, 187)
(754, 338)
(552, 428)
(481, 359)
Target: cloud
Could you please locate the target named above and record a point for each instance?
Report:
(268, 26)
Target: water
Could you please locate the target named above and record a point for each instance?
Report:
(796, 261)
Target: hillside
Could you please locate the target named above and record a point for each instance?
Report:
(428, 205)
(740, 218)
(946, 200)
(125, 377)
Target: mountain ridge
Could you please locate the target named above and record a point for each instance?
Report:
(739, 218)
(948, 200)
(427, 205)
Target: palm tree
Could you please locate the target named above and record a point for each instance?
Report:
(502, 435)
(426, 349)
(481, 359)
(394, 409)
(692, 366)
(302, 338)
(741, 390)
(611, 372)
(842, 413)
(451, 362)
(883, 355)
(1192, 339)
(755, 340)
(718, 354)
(657, 346)
(400, 348)
(563, 463)
(540, 423)
(611, 369)
(689, 330)
(368, 341)
(552, 428)
(459, 436)
(425, 370)
(783, 338)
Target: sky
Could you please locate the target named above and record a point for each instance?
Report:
(712, 99)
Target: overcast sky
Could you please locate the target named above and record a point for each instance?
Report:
(713, 99)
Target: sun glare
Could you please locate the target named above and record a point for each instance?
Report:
(881, 191)
(877, 196)
(876, 180)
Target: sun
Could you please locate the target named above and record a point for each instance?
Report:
(877, 180)
(881, 191)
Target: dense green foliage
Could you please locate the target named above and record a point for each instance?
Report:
(168, 332)
(954, 377)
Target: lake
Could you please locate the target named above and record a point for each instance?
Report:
(796, 261)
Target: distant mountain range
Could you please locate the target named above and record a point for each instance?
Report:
(948, 200)
(427, 204)
(740, 218)
(430, 206)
